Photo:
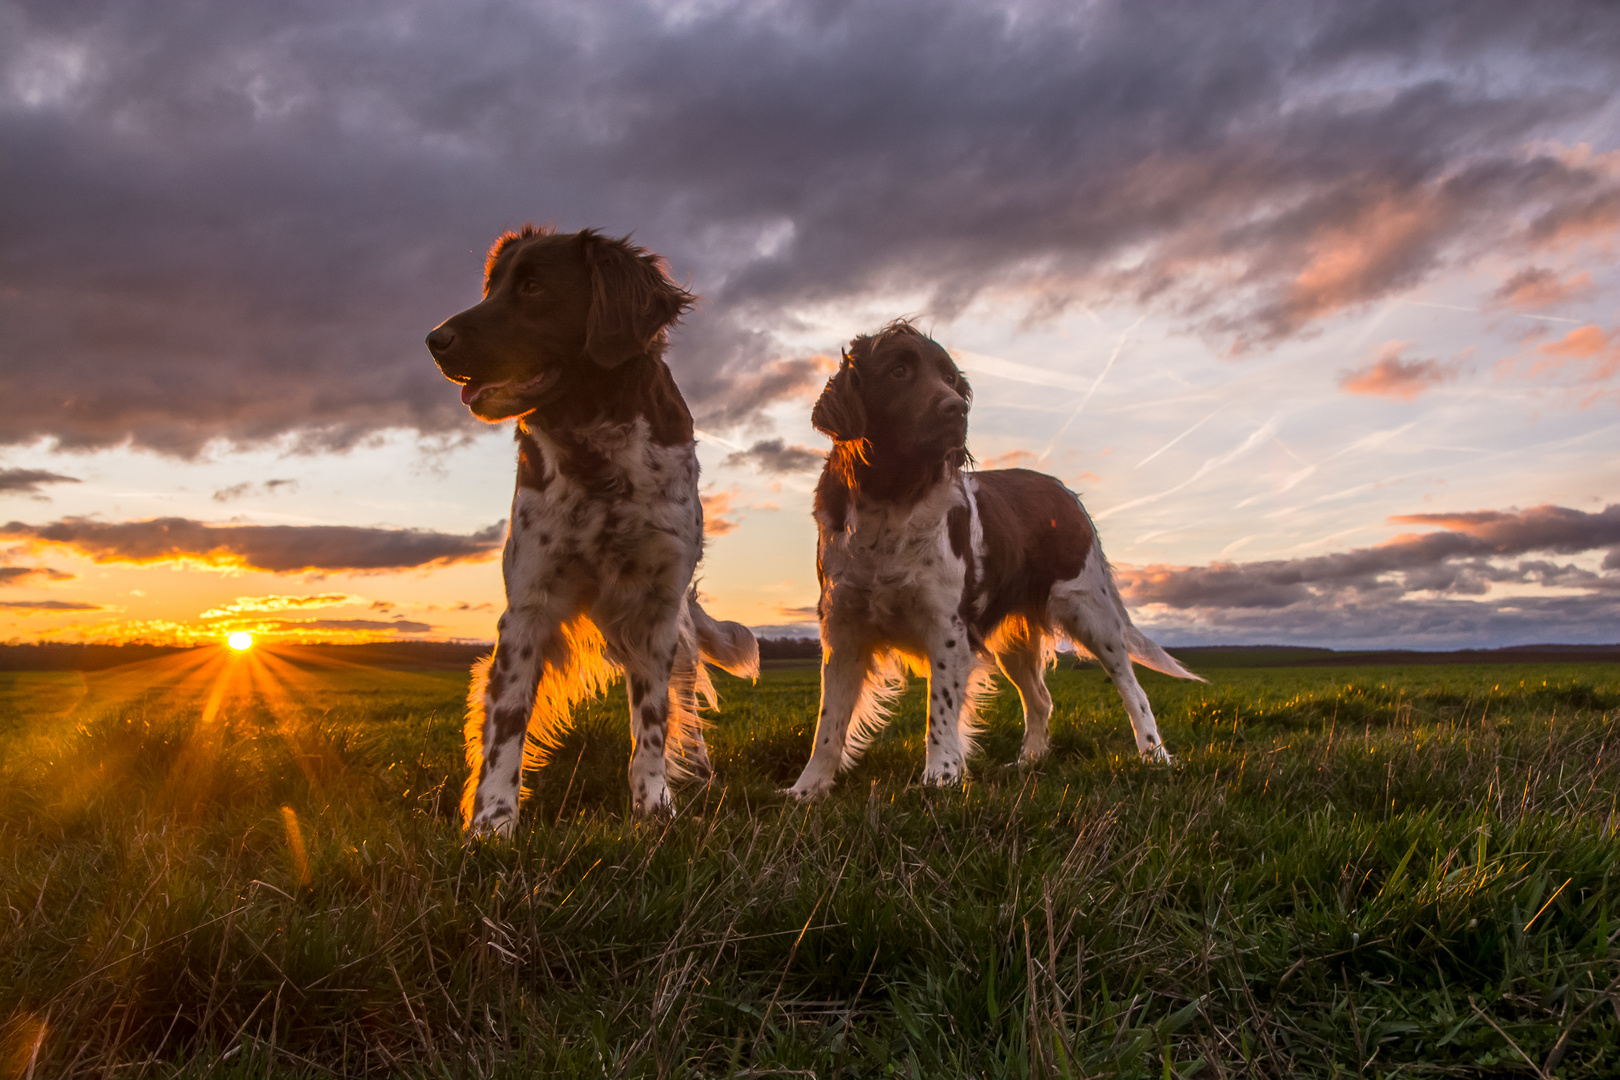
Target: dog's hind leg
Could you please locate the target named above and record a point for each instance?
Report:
(1022, 658)
(648, 657)
(1092, 614)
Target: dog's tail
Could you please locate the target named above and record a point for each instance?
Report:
(727, 645)
(1145, 651)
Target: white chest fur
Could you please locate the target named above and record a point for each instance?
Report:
(892, 568)
(613, 507)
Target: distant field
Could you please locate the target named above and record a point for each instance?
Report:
(249, 867)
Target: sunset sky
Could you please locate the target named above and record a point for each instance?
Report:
(1315, 305)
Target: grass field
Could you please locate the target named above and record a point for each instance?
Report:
(249, 867)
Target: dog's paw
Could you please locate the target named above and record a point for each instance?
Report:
(806, 790)
(1157, 755)
(945, 774)
(491, 826)
(1030, 756)
(654, 800)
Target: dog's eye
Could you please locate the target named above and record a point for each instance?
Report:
(529, 287)
(900, 371)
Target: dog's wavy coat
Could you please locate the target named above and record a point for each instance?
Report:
(924, 563)
(606, 525)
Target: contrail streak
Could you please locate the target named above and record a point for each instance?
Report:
(1098, 382)
(1260, 435)
(1013, 370)
(727, 443)
(1480, 311)
(1175, 440)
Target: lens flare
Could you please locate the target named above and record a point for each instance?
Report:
(240, 641)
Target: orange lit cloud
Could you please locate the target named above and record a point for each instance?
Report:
(1587, 352)
(245, 605)
(1534, 288)
(716, 505)
(1359, 260)
(1394, 377)
(1581, 360)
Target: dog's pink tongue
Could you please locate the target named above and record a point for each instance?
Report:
(470, 391)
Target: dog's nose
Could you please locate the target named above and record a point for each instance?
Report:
(953, 408)
(440, 338)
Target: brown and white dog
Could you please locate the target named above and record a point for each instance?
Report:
(924, 562)
(606, 525)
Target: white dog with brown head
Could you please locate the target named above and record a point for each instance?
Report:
(921, 561)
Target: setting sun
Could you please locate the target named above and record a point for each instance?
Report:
(240, 641)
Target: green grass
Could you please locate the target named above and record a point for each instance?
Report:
(1350, 872)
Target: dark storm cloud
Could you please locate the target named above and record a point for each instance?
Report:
(274, 548)
(1414, 589)
(18, 575)
(1453, 560)
(775, 456)
(1418, 623)
(237, 221)
(29, 481)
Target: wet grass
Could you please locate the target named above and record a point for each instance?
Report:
(1350, 872)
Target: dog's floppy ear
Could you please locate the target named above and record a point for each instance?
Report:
(839, 414)
(633, 300)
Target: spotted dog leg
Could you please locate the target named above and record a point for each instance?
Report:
(1096, 620)
(499, 719)
(844, 671)
(649, 734)
(950, 665)
(1023, 664)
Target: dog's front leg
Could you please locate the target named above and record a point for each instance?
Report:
(843, 675)
(498, 722)
(950, 665)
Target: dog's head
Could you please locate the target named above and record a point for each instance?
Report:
(900, 393)
(555, 307)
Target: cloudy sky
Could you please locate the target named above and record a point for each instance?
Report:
(1314, 304)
